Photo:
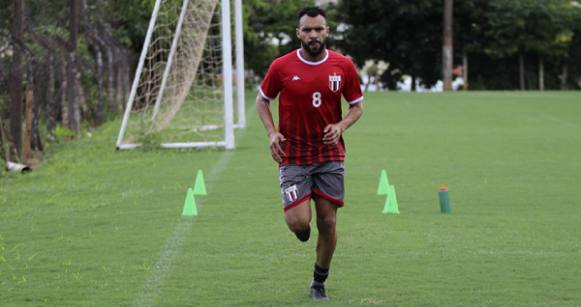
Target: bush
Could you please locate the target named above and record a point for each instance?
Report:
(62, 133)
(2, 167)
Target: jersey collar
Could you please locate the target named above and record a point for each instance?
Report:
(313, 63)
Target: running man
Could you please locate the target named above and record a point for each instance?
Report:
(308, 143)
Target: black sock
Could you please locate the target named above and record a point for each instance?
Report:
(320, 275)
(304, 235)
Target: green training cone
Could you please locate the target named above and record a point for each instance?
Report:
(391, 202)
(383, 188)
(200, 185)
(190, 208)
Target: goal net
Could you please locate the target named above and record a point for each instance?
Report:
(181, 95)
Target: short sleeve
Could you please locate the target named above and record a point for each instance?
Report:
(352, 90)
(271, 84)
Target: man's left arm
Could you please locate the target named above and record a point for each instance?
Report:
(333, 132)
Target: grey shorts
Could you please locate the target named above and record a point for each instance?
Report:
(299, 182)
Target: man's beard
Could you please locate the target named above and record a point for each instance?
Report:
(312, 50)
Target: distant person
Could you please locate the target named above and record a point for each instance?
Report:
(308, 143)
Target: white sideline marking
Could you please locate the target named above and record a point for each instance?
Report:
(173, 246)
(559, 120)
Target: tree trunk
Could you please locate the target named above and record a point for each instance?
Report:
(447, 47)
(72, 97)
(29, 101)
(97, 114)
(74, 117)
(27, 150)
(110, 78)
(116, 80)
(541, 75)
(15, 81)
(126, 75)
(38, 85)
(83, 108)
(564, 77)
(465, 70)
(521, 71)
(51, 106)
(39, 104)
(414, 87)
(63, 94)
(4, 142)
(119, 77)
(100, 112)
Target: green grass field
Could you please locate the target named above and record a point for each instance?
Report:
(103, 228)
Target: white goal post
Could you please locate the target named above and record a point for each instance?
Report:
(182, 93)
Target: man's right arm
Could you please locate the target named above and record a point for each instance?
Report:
(275, 138)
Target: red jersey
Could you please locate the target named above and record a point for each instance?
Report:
(310, 99)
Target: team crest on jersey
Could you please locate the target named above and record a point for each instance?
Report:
(334, 82)
(291, 192)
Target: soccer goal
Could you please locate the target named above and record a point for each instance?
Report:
(182, 93)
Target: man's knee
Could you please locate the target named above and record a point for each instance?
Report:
(296, 223)
(326, 223)
(298, 217)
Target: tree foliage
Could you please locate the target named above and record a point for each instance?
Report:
(269, 30)
(407, 35)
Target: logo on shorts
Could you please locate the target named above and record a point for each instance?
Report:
(291, 193)
(334, 82)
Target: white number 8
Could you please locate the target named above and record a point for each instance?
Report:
(317, 99)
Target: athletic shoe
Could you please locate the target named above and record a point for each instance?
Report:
(304, 235)
(318, 292)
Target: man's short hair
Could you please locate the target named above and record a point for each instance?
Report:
(312, 11)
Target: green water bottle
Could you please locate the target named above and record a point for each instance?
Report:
(444, 200)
